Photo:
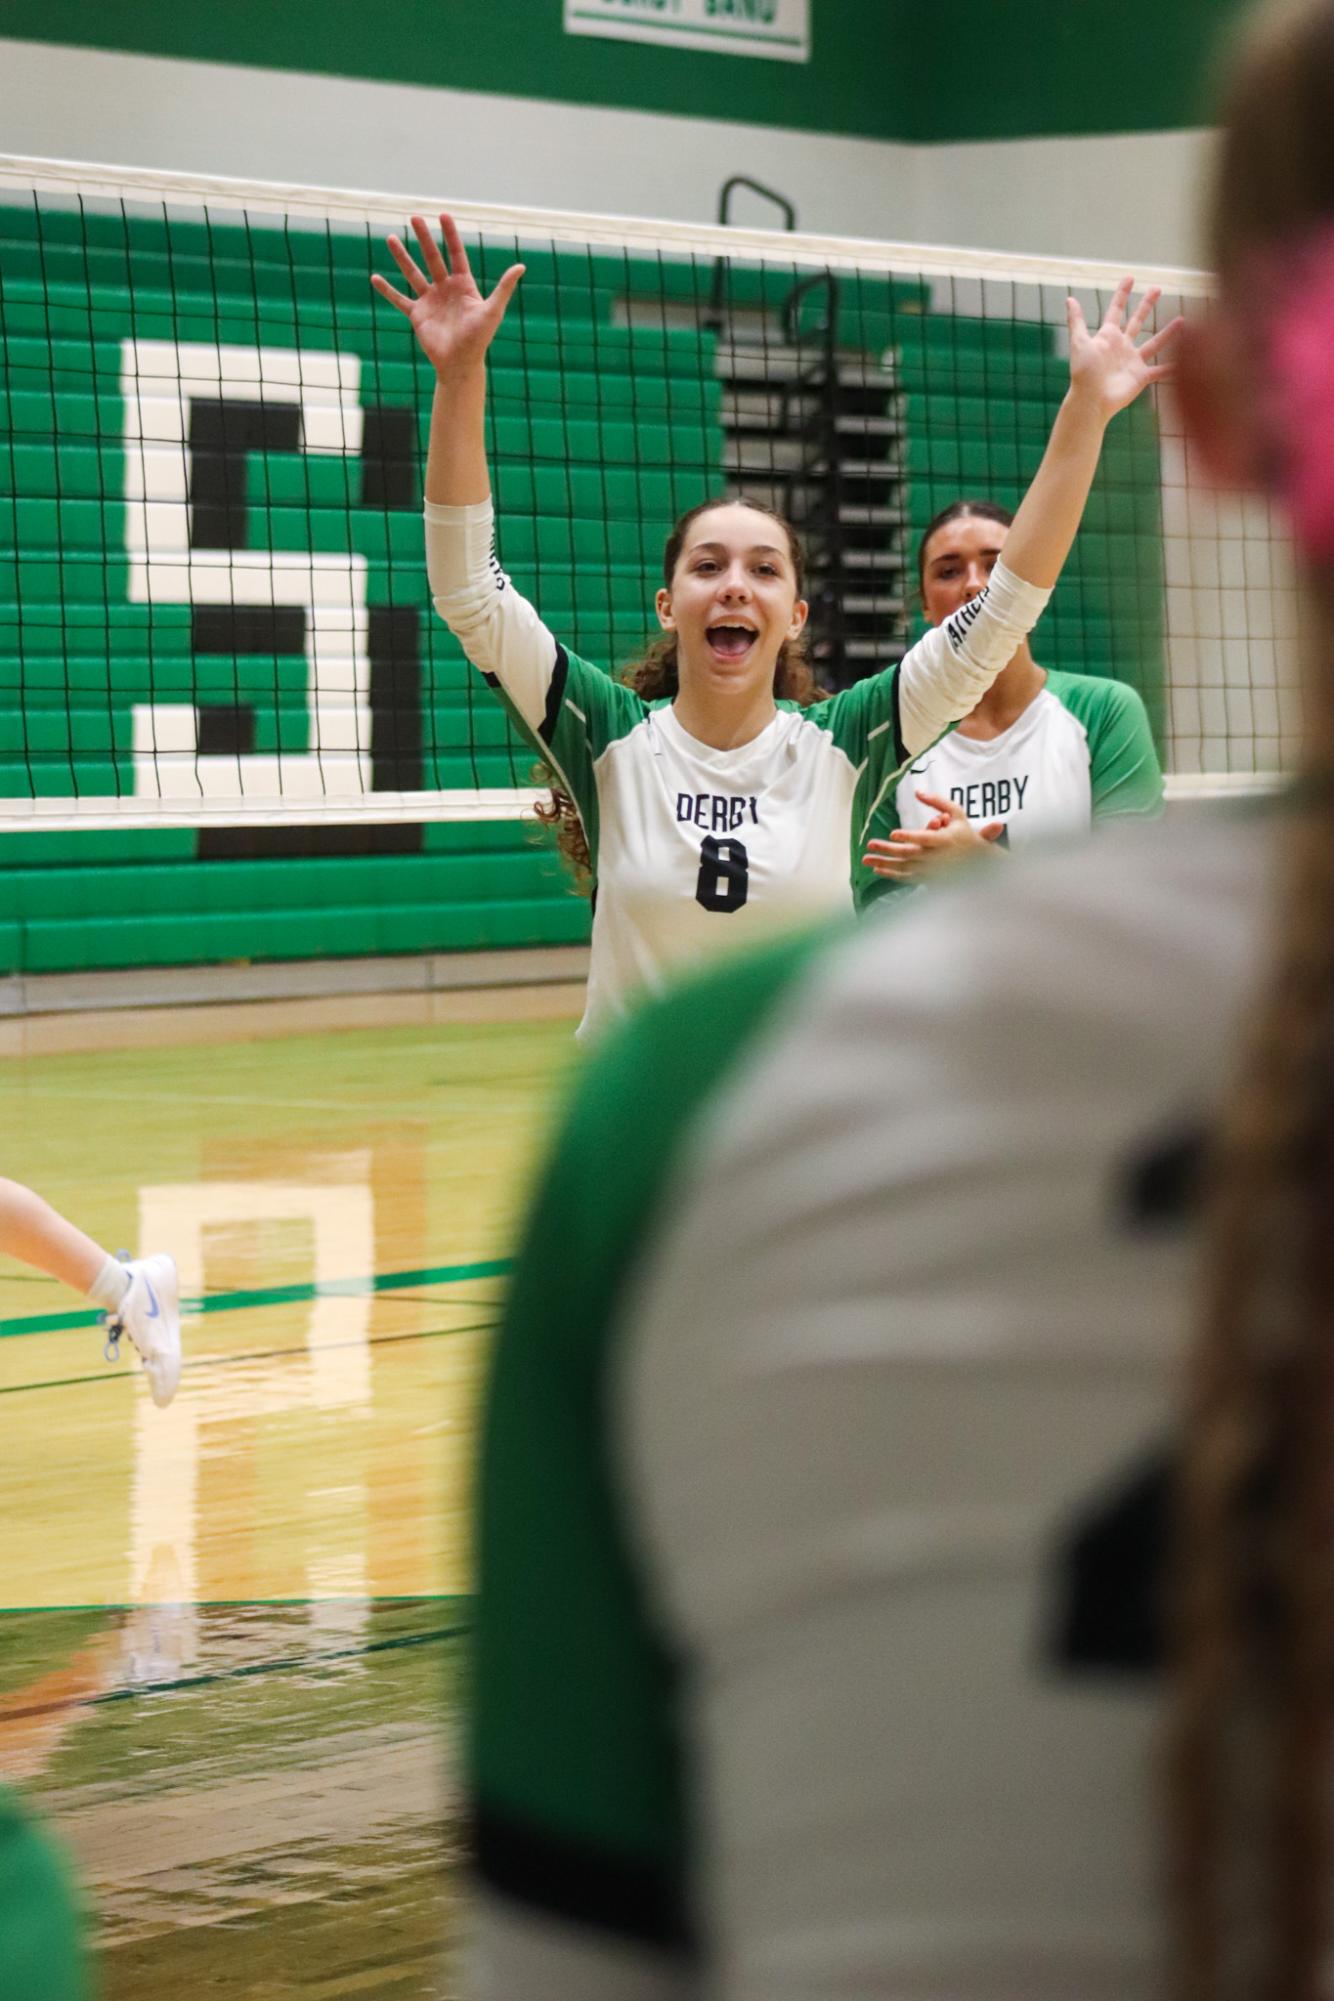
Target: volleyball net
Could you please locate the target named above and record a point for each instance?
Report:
(213, 604)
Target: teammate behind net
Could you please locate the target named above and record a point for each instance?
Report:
(1042, 754)
(720, 811)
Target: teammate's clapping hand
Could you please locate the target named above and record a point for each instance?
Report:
(949, 836)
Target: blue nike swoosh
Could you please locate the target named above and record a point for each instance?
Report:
(153, 1308)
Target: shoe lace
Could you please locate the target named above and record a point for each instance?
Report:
(113, 1324)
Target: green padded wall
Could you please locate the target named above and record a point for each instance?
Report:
(599, 436)
(881, 69)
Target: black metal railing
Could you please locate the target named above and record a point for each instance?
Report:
(818, 388)
(808, 421)
(716, 313)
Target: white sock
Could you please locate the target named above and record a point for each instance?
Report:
(110, 1286)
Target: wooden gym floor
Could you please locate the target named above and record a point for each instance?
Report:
(232, 1632)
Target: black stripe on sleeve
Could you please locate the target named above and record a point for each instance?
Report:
(579, 1883)
(1109, 1588)
(560, 674)
(896, 720)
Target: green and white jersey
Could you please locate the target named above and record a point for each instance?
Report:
(694, 849)
(1081, 751)
(41, 1954)
(825, 1451)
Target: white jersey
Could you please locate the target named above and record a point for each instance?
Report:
(696, 850)
(1081, 749)
(836, 1415)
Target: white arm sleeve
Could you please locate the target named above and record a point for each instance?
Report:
(947, 672)
(519, 1955)
(496, 626)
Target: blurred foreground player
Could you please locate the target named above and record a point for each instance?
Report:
(40, 1955)
(867, 1608)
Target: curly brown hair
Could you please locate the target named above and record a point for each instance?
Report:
(655, 676)
(1252, 1738)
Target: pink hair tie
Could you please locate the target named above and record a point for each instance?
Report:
(1301, 371)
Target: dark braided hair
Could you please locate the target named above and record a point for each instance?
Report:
(1251, 1723)
(958, 510)
(656, 678)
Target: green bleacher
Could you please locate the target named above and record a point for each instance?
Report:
(600, 435)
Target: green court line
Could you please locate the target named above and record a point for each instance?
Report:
(295, 1602)
(277, 1295)
(246, 1671)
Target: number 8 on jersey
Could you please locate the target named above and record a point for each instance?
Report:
(724, 874)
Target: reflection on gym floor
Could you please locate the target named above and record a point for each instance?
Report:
(234, 1633)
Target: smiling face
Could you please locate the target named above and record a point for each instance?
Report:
(957, 563)
(732, 600)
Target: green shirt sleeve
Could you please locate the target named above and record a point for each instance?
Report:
(1124, 771)
(864, 715)
(576, 1760)
(41, 1953)
(586, 711)
(864, 723)
(874, 810)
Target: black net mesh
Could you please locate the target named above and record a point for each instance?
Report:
(212, 587)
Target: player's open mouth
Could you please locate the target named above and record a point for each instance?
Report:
(732, 642)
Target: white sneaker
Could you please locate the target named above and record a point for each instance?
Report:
(150, 1314)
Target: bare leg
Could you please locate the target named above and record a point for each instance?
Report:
(140, 1298)
(36, 1234)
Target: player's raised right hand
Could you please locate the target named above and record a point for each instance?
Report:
(453, 322)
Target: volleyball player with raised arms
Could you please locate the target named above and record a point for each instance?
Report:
(724, 809)
(907, 1501)
(1044, 753)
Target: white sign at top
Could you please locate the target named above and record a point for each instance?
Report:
(780, 29)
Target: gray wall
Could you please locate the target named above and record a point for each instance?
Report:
(889, 134)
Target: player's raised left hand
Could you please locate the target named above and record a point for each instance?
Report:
(1112, 366)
